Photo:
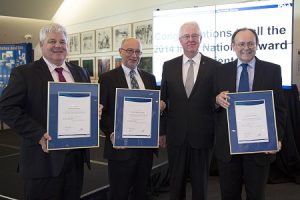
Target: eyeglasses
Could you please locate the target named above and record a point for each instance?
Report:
(246, 44)
(187, 36)
(130, 51)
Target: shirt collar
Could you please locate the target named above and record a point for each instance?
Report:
(196, 58)
(250, 64)
(127, 70)
(53, 66)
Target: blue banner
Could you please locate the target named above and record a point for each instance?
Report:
(12, 55)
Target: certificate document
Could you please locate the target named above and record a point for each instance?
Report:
(137, 117)
(251, 121)
(74, 115)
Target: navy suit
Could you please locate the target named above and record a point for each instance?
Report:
(23, 106)
(267, 76)
(189, 126)
(129, 169)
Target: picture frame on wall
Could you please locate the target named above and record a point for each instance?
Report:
(146, 63)
(103, 64)
(120, 33)
(74, 61)
(74, 44)
(144, 32)
(117, 61)
(89, 64)
(104, 40)
(88, 42)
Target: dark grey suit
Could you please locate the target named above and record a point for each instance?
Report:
(127, 168)
(267, 76)
(188, 125)
(23, 106)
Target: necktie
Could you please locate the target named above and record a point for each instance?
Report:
(189, 83)
(61, 77)
(133, 81)
(244, 79)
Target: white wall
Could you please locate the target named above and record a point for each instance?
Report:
(80, 16)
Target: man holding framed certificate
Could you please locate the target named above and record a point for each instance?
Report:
(128, 168)
(53, 175)
(251, 105)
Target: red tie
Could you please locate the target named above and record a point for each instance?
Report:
(61, 77)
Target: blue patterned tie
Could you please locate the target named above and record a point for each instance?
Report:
(244, 79)
(133, 81)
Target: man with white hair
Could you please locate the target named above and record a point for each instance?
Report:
(55, 175)
(187, 89)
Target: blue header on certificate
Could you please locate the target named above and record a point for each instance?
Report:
(73, 115)
(251, 122)
(137, 118)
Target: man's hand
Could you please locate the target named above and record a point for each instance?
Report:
(112, 139)
(162, 141)
(100, 110)
(162, 105)
(222, 99)
(279, 148)
(43, 142)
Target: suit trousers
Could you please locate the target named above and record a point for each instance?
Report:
(67, 186)
(128, 179)
(186, 163)
(243, 169)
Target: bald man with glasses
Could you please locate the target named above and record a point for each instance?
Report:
(128, 169)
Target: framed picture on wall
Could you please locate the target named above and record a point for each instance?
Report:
(89, 65)
(74, 43)
(117, 61)
(146, 63)
(120, 33)
(74, 61)
(104, 64)
(143, 32)
(88, 42)
(104, 40)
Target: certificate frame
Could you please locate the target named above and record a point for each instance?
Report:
(135, 142)
(91, 139)
(264, 98)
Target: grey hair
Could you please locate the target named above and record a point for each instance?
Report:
(191, 23)
(52, 28)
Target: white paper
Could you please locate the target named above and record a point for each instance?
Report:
(137, 118)
(251, 121)
(74, 116)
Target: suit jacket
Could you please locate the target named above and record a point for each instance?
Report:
(23, 106)
(109, 81)
(267, 76)
(188, 118)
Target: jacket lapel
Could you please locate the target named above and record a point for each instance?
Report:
(43, 72)
(258, 75)
(232, 75)
(120, 78)
(201, 73)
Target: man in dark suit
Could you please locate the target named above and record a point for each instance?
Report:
(128, 169)
(188, 119)
(249, 169)
(55, 175)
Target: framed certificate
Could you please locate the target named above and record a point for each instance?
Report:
(137, 118)
(73, 115)
(251, 122)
